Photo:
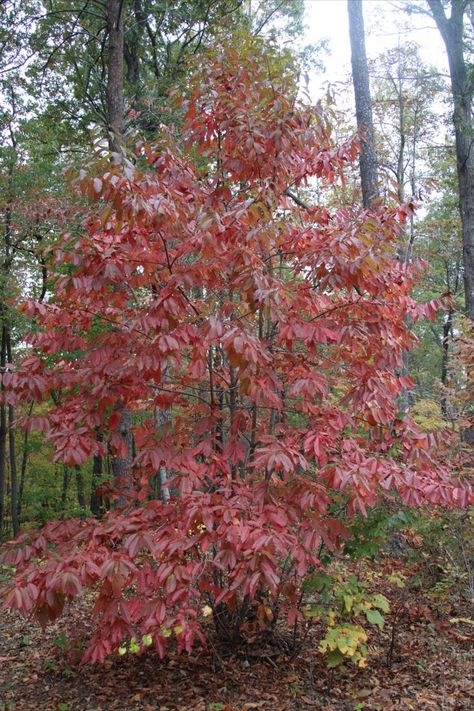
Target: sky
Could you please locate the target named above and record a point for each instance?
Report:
(385, 26)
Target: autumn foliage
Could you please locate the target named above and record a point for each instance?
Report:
(267, 335)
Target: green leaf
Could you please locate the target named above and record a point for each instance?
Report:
(147, 640)
(61, 641)
(318, 582)
(397, 579)
(381, 602)
(122, 650)
(375, 618)
(348, 601)
(334, 659)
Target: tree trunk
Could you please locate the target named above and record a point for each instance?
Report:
(115, 112)
(24, 462)
(3, 434)
(161, 418)
(64, 490)
(13, 471)
(96, 499)
(360, 79)
(115, 104)
(81, 494)
(132, 46)
(462, 87)
(122, 465)
(447, 326)
(12, 452)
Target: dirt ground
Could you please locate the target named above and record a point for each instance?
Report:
(432, 668)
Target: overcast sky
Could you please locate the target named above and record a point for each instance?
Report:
(385, 27)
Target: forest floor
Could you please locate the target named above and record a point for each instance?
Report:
(431, 669)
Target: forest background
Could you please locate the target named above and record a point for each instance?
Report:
(89, 90)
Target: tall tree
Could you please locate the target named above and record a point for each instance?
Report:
(462, 86)
(115, 105)
(360, 78)
(411, 149)
(76, 44)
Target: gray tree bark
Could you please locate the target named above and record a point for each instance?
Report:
(24, 463)
(65, 486)
(115, 101)
(365, 126)
(161, 418)
(80, 490)
(462, 87)
(12, 454)
(96, 502)
(122, 466)
(115, 114)
(3, 435)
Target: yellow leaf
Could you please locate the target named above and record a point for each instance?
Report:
(465, 620)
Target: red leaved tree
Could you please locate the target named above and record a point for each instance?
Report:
(269, 333)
